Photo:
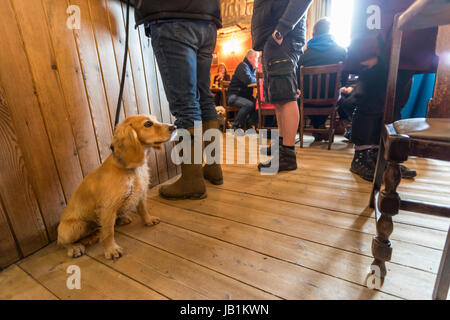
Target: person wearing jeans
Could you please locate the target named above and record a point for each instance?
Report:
(239, 94)
(183, 35)
(247, 107)
(184, 50)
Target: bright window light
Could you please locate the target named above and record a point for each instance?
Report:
(232, 46)
(341, 19)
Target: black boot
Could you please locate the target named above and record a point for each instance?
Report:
(319, 137)
(363, 165)
(348, 136)
(407, 173)
(268, 150)
(287, 160)
(373, 156)
(238, 130)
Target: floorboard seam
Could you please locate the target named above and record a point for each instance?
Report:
(328, 209)
(199, 264)
(37, 281)
(291, 236)
(276, 258)
(127, 276)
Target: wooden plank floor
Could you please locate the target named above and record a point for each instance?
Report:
(298, 235)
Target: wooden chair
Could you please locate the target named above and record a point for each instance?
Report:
(223, 87)
(427, 138)
(264, 109)
(320, 97)
(228, 109)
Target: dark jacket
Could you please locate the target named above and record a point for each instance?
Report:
(287, 16)
(322, 50)
(150, 10)
(244, 75)
(418, 46)
(320, 53)
(370, 90)
(226, 77)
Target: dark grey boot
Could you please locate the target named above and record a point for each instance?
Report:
(287, 161)
(363, 164)
(268, 150)
(212, 172)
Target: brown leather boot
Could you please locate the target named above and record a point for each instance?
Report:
(190, 185)
(212, 172)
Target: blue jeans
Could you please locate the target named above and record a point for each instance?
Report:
(247, 107)
(183, 50)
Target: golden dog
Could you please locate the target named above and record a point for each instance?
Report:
(119, 186)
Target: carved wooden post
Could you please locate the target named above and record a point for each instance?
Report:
(388, 202)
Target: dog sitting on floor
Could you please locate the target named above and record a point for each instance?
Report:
(118, 187)
(221, 117)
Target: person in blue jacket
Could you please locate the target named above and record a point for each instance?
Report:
(323, 50)
(240, 94)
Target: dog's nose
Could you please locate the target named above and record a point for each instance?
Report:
(172, 128)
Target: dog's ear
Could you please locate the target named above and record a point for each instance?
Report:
(127, 147)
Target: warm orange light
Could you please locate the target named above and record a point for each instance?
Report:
(232, 46)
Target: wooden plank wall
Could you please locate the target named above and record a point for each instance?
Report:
(58, 95)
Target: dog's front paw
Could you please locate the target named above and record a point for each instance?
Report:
(123, 220)
(151, 220)
(114, 252)
(76, 250)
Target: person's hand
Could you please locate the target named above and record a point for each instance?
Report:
(279, 42)
(346, 90)
(370, 63)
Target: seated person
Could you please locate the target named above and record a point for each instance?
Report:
(369, 54)
(322, 50)
(222, 74)
(239, 94)
(368, 97)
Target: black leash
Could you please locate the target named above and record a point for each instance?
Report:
(124, 69)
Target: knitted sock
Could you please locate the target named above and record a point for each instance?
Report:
(365, 147)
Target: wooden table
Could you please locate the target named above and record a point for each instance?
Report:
(424, 14)
(255, 89)
(216, 90)
(222, 92)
